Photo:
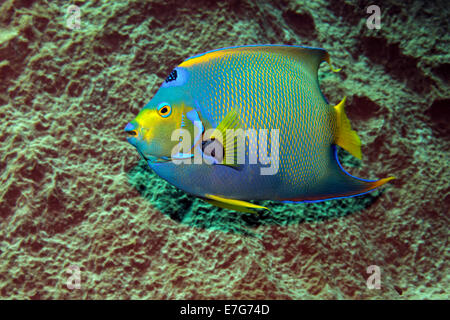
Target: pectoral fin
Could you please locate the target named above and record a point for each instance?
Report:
(230, 122)
(232, 204)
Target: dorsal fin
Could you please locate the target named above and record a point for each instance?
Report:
(310, 57)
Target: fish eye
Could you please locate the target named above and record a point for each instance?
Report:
(164, 110)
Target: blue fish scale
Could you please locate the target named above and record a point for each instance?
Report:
(271, 92)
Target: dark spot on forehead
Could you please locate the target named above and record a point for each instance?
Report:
(172, 76)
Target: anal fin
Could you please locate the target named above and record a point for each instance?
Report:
(232, 204)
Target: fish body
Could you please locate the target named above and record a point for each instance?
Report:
(261, 89)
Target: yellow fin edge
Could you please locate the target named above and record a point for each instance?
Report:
(232, 204)
(380, 182)
(346, 138)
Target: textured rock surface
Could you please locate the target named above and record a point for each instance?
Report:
(73, 192)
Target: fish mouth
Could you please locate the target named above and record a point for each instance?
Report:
(154, 159)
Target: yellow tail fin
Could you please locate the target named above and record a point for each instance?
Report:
(346, 138)
(328, 60)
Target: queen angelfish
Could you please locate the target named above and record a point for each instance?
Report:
(270, 95)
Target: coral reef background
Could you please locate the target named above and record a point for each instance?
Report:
(75, 193)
